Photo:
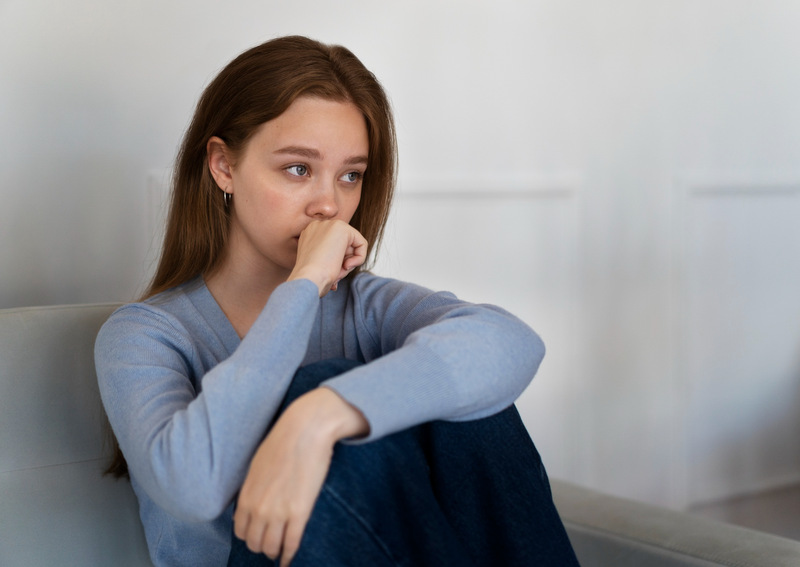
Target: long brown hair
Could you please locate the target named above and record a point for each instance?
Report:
(258, 86)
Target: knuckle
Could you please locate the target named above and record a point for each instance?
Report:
(263, 509)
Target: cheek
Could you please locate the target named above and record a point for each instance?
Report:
(269, 201)
(262, 213)
(351, 204)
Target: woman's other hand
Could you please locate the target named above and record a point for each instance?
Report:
(327, 251)
(288, 470)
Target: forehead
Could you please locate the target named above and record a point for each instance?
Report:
(315, 121)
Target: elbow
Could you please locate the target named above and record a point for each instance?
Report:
(524, 353)
(204, 511)
(195, 504)
(192, 506)
(190, 491)
(535, 349)
(512, 349)
(524, 358)
(512, 357)
(521, 347)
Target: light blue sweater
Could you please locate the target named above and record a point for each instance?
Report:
(189, 401)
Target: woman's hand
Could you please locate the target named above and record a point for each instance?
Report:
(328, 250)
(288, 470)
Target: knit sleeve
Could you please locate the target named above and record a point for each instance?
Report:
(432, 356)
(190, 451)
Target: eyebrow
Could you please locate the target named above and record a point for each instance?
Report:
(311, 153)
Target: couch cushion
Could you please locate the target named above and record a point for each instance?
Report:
(57, 508)
(606, 530)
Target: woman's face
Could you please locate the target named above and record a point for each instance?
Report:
(306, 164)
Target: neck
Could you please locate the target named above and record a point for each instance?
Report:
(242, 293)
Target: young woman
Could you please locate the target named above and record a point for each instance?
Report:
(275, 401)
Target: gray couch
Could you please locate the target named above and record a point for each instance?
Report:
(57, 509)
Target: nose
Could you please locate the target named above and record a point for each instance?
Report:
(323, 203)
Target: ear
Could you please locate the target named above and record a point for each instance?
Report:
(219, 163)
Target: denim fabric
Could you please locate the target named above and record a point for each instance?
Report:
(440, 494)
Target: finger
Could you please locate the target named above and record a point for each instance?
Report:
(350, 262)
(241, 521)
(360, 248)
(291, 540)
(254, 538)
(354, 257)
(272, 541)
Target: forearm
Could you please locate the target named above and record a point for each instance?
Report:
(288, 470)
(459, 362)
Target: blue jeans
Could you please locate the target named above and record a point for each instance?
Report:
(440, 494)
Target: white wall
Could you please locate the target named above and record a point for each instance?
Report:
(625, 175)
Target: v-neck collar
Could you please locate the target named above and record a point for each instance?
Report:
(209, 309)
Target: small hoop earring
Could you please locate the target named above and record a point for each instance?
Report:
(227, 197)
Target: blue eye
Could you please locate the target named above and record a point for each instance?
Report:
(298, 170)
(352, 177)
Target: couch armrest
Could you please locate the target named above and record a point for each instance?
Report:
(607, 530)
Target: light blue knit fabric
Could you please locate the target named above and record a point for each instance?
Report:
(189, 402)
